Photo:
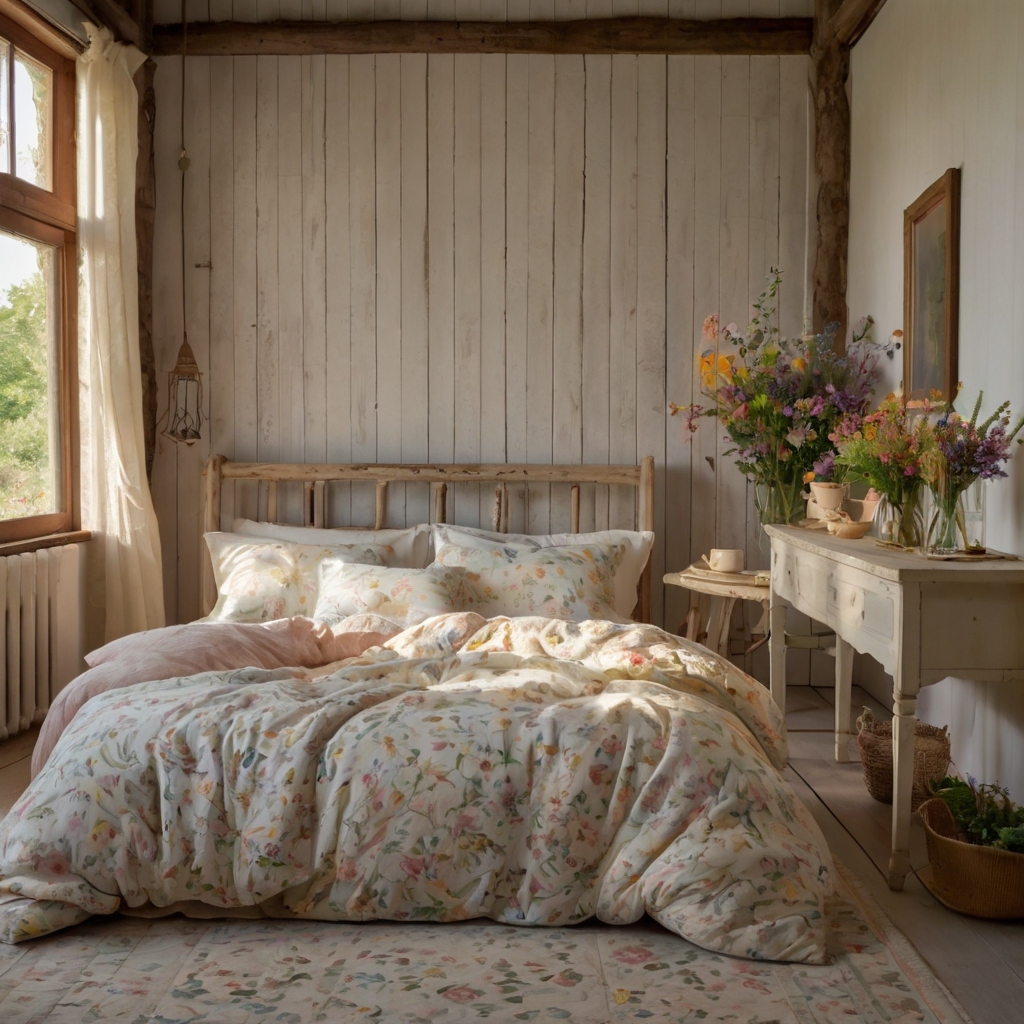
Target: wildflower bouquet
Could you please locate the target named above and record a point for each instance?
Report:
(888, 449)
(779, 399)
(965, 451)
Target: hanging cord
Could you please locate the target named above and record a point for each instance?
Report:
(183, 160)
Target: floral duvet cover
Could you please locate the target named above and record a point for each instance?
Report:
(532, 771)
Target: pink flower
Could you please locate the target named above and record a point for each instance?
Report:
(567, 979)
(741, 412)
(462, 822)
(462, 994)
(633, 955)
(612, 745)
(413, 866)
(711, 327)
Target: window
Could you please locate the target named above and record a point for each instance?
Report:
(38, 267)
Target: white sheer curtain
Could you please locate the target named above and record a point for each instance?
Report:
(125, 587)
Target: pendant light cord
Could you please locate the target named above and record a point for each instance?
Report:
(183, 160)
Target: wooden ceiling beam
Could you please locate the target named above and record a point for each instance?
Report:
(851, 20)
(761, 36)
(838, 24)
(110, 14)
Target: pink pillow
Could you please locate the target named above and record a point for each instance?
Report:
(201, 647)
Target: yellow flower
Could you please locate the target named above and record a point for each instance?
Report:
(621, 995)
(808, 476)
(714, 366)
(799, 365)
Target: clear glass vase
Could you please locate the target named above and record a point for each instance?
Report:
(779, 502)
(944, 530)
(972, 512)
(900, 519)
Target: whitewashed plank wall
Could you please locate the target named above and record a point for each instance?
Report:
(953, 99)
(473, 258)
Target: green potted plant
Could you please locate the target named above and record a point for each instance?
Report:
(975, 839)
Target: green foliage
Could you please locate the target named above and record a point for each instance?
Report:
(24, 413)
(985, 814)
(23, 349)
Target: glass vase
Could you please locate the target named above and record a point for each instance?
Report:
(946, 526)
(944, 530)
(972, 512)
(779, 502)
(900, 519)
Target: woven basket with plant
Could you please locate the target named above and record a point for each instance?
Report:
(975, 849)
(931, 757)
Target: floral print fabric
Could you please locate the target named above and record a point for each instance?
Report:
(405, 596)
(629, 773)
(180, 971)
(573, 583)
(261, 580)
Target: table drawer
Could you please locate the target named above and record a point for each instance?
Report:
(864, 608)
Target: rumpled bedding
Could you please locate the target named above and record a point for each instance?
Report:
(199, 647)
(532, 771)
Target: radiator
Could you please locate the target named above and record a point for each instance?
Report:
(40, 632)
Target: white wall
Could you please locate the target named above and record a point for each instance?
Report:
(474, 259)
(938, 84)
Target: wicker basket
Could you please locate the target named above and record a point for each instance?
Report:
(931, 757)
(976, 880)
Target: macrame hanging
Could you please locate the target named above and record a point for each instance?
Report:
(184, 382)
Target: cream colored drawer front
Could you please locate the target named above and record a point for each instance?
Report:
(865, 608)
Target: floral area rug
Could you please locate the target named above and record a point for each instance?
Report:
(178, 971)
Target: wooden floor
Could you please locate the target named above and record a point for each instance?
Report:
(981, 962)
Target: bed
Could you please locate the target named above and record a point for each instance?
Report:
(487, 735)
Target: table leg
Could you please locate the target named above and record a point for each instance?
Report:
(777, 649)
(844, 685)
(719, 624)
(691, 627)
(904, 720)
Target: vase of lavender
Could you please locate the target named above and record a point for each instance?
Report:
(965, 451)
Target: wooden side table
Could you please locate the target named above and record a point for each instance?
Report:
(723, 599)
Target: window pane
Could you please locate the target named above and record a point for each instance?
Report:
(29, 407)
(33, 105)
(5, 128)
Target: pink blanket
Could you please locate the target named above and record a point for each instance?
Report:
(205, 647)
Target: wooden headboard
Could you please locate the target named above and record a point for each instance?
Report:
(315, 477)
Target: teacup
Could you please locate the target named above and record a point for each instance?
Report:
(725, 559)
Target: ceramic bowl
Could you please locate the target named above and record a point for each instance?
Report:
(849, 531)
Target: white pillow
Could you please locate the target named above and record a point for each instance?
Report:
(409, 547)
(262, 579)
(405, 596)
(572, 583)
(634, 558)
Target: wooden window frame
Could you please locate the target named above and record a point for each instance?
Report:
(50, 217)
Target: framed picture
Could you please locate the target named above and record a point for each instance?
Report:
(931, 288)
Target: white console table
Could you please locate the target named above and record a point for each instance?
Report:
(922, 619)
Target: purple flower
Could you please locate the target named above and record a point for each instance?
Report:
(825, 466)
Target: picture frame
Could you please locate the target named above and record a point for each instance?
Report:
(931, 289)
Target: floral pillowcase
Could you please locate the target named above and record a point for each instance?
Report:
(405, 596)
(259, 580)
(571, 582)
